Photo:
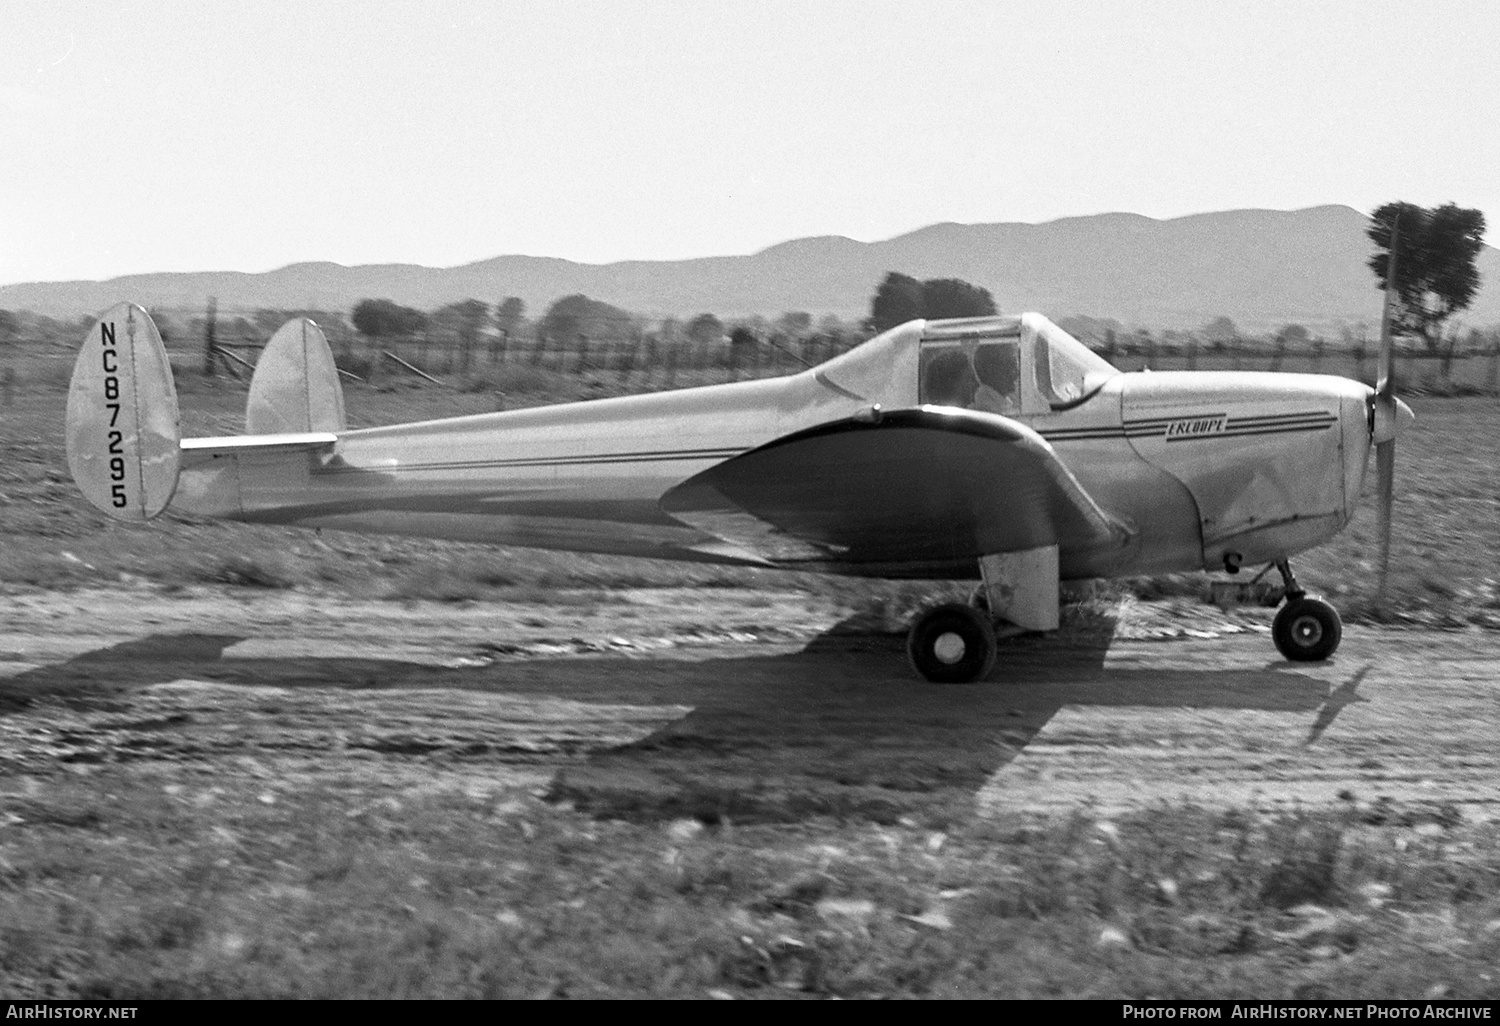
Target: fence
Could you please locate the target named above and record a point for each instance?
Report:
(645, 362)
(1467, 372)
(648, 361)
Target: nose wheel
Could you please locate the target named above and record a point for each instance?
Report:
(1306, 630)
(951, 644)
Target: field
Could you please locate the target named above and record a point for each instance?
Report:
(252, 762)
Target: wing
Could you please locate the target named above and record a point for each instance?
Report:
(927, 486)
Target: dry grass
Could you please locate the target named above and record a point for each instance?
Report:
(120, 885)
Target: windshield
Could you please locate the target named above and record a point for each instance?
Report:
(1066, 370)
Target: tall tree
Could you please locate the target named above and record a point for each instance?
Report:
(898, 299)
(509, 315)
(1436, 273)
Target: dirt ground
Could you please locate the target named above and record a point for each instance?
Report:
(633, 709)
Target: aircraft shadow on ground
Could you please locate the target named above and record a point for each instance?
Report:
(840, 728)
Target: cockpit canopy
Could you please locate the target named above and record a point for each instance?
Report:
(1012, 366)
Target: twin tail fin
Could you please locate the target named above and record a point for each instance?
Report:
(125, 447)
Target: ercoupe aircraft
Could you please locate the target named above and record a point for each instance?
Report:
(997, 448)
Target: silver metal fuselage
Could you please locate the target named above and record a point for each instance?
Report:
(1200, 467)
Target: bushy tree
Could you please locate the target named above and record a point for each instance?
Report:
(1436, 271)
(1292, 336)
(953, 297)
(381, 318)
(462, 324)
(1220, 332)
(898, 299)
(575, 315)
(10, 327)
(901, 298)
(794, 323)
(705, 328)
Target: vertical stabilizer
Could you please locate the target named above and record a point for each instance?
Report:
(122, 429)
(296, 387)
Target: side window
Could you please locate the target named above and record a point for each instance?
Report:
(1062, 368)
(984, 376)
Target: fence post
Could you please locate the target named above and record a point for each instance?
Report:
(208, 337)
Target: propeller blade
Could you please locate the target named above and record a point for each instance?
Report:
(1385, 381)
(1384, 421)
(1385, 494)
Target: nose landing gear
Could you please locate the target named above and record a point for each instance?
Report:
(1305, 629)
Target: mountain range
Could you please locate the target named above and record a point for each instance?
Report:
(1262, 268)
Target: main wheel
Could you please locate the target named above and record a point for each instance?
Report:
(1307, 630)
(951, 644)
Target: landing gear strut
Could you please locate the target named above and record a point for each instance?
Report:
(1305, 629)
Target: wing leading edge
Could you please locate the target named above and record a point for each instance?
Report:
(918, 487)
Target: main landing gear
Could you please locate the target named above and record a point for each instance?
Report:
(1306, 629)
(1018, 592)
(952, 644)
(956, 644)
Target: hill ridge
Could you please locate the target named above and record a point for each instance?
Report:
(1259, 266)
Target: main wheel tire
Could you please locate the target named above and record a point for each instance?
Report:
(1307, 630)
(951, 644)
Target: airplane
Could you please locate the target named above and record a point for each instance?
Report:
(998, 448)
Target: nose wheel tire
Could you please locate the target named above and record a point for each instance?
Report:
(1307, 630)
(951, 644)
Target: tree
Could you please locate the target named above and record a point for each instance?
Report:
(462, 324)
(1220, 333)
(10, 326)
(952, 297)
(575, 315)
(794, 323)
(705, 328)
(898, 299)
(1436, 274)
(901, 298)
(1292, 336)
(510, 314)
(744, 346)
(381, 318)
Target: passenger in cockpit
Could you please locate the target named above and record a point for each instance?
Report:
(998, 367)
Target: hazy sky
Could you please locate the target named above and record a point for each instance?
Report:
(146, 136)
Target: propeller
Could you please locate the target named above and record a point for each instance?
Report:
(1386, 414)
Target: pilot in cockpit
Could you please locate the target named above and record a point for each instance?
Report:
(985, 377)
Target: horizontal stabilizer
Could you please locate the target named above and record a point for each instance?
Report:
(246, 444)
(917, 486)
